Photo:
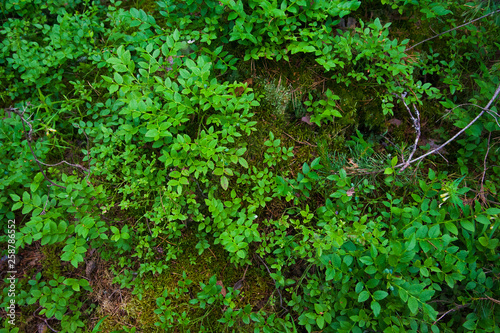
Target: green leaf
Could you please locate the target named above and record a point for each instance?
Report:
(96, 327)
(330, 273)
(232, 16)
(114, 61)
(118, 78)
(34, 186)
(17, 205)
(176, 35)
(380, 294)
(366, 260)
(241, 151)
(451, 227)
(107, 78)
(468, 225)
(15, 197)
(483, 220)
(413, 305)
(26, 197)
(363, 296)
(241, 254)
(493, 211)
(113, 88)
(305, 169)
(370, 270)
(74, 262)
(152, 133)
(376, 308)
(120, 68)
(224, 182)
(470, 325)
(484, 241)
(84, 283)
(403, 294)
(320, 321)
(243, 162)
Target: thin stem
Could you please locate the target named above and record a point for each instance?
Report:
(495, 95)
(460, 26)
(28, 140)
(279, 292)
(451, 310)
(485, 158)
(416, 124)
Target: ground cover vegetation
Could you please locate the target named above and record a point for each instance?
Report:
(251, 166)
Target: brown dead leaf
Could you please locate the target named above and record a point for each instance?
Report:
(354, 165)
(239, 90)
(395, 122)
(223, 291)
(307, 119)
(249, 82)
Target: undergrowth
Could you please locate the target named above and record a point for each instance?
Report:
(247, 166)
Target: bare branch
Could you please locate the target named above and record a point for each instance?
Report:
(451, 310)
(481, 191)
(29, 139)
(279, 292)
(460, 26)
(495, 95)
(416, 124)
(492, 113)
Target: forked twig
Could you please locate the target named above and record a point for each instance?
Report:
(450, 30)
(29, 139)
(492, 113)
(416, 124)
(458, 307)
(301, 142)
(495, 95)
(279, 292)
(481, 194)
(451, 310)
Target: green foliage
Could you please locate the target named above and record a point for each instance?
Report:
(133, 136)
(59, 299)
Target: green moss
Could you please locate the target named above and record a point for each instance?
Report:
(197, 268)
(51, 261)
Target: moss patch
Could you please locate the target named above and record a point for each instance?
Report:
(139, 311)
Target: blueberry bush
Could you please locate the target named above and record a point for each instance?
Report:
(250, 166)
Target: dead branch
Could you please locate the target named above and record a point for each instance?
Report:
(495, 95)
(450, 30)
(29, 139)
(492, 113)
(484, 169)
(451, 310)
(416, 124)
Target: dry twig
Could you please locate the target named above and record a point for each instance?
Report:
(304, 143)
(29, 139)
(495, 95)
(416, 124)
(450, 30)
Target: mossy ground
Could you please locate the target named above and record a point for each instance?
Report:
(138, 310)
(281, 88)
